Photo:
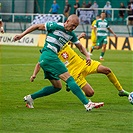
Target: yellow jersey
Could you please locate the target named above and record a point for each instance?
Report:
(76, 65)
(72, 60)
(93, 36)
(92, 32)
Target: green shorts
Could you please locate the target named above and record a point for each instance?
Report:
(101, 40)
(51, 65)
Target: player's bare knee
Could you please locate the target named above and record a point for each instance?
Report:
(89, 94)
(105, 70)
(108, 71)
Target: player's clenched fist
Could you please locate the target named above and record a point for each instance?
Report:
(32, 78)
(17, 37)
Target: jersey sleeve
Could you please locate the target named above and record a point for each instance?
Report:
(50, 26)
(74, 39)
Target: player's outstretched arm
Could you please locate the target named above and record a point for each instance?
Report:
(30, 29)
(36, 70)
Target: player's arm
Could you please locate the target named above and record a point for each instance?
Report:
(84, 52)
(111, 31)
(36, 70)
(81, 49)
(30, 29)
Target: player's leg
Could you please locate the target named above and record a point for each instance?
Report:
(98, 44)
(81, 81)
(77, 91)
(60, 71)
(48, 90)
(103, 52)
(54, 79)
(93, 40)
(88, 90)
(74, 87)
(104, 43)
(111, 76)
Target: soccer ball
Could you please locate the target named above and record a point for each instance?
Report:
(130, 98)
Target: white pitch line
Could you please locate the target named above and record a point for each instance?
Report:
(17, 64)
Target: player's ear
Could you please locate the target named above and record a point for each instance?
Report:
(67, 21)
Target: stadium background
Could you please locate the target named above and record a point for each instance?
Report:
(43, 6)
(28, 7)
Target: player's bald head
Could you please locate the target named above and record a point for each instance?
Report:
(71, 23)
(73, 18)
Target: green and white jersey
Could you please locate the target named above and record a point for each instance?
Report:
(102, 26)
(57, 36)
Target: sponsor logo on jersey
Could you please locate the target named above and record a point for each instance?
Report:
(65, 55)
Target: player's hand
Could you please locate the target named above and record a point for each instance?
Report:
(32, 78)
(2, 30)
(88, 61)
(17, 37)
(81, 35)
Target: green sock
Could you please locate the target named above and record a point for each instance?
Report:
(45, 92)
(76, 90)
(102, 54)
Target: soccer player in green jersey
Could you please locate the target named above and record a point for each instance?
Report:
(57, 36)
(100, 30)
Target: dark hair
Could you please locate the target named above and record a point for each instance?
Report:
(103, 12)
(98, 16)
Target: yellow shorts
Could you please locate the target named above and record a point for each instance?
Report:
(79, 76)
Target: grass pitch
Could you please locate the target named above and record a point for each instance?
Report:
(62, 112)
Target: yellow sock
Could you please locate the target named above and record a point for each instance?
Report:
(115, 81)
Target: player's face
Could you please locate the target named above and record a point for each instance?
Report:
(103, 15)
(71, 25)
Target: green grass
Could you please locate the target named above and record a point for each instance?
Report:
(62, 112)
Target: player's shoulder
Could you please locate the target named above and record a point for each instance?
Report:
(60, 24)
(105, 20)
(99, 19)
(54, 24)
(51, 23)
